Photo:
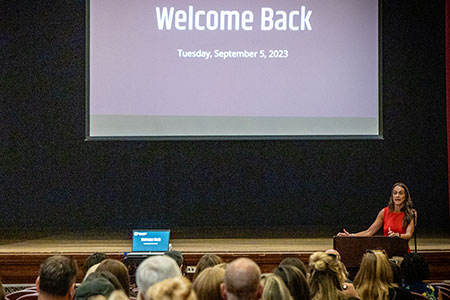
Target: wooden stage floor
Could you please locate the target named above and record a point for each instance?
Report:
(89, 242)
(20, 257)
(82, 244)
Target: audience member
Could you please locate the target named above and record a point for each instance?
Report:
(119, 270)
(153, 270)
(94, 286)
(207, 285)
(242, 281)
(415, 269)
(324, 280)
(91, 270)
(206, 261)
(396, 273)
(108, 276)
(374, 280)
(56, 280)
(93, 259)
(333, 252)
(295, 281)
(274, 288)
(177, 288)
(179, 258)
(346, 284)
(342, 270)
(221, 266)
(295, 262)
(118, 295)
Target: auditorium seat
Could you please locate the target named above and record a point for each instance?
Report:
(17, 294)
(32, 296)
(418, 296)
(444, 288)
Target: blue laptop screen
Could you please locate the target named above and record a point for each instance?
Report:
(150, 240)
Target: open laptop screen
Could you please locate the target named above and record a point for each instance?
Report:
(150, 240)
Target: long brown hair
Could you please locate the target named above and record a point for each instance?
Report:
(407, 208)
(206, 261)
(374, 277)
(118, 269)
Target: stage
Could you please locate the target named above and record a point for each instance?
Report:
(20, 257)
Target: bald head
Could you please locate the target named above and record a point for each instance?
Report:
(334, 253)
(242, 280)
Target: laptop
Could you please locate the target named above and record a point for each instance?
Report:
(150, 242)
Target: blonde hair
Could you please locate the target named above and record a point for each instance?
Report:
(118, 295)
(176, 288)
(221, 266)
(274, 288)
(324, 281)
(374, 277)
(207, 285)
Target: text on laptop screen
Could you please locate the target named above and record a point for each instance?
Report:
(150, 241)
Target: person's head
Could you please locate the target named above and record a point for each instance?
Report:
(118, 295)
(94, 286)
(333, 252)
(108, 276)
(221, 266)
(91, 270)
(295, 281)
(178, 257)
(207, 285)
(341, 269)
(295, 262)
(153, 270)
(274, 288)
(57, 277)
(324, 279)
(119, 270)
(400, 197)
(374, 277)
(242, 280)
(414, 268)
(93, 259)
(206, 261)
(177, 288)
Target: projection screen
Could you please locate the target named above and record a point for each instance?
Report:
(233, 68)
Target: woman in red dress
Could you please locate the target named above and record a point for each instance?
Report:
(397, 218)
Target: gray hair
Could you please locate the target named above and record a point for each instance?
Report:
(153, 270)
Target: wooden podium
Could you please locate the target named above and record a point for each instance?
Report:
(352, 249)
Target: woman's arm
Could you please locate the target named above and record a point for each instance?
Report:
(376, 225)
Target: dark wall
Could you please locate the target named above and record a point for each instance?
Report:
(52, 178)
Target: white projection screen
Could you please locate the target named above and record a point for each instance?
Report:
(164, 69)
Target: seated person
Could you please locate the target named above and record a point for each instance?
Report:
(415, 269)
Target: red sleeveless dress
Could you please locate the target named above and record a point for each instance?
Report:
(393, 220)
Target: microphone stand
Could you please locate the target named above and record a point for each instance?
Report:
(415, 225)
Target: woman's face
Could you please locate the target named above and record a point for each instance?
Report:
(399, 196)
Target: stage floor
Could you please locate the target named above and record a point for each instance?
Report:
(86, 243)
(22, 253)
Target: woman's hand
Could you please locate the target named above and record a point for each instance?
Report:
(349, 289)
(345, 233)
(393, 234)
